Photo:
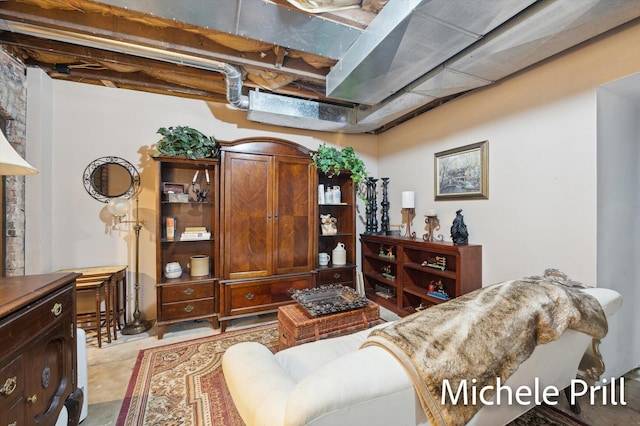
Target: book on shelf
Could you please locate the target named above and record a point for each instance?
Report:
(171, 226)
(190, 236)
(195, 229)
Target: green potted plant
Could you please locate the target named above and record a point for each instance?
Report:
(333, 161)
(185, 141)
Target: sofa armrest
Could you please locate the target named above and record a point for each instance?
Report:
(367, 386)
(258, 385)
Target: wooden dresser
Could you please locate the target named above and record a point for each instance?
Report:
(38, 355)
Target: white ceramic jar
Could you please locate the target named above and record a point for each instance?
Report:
(172, 270)
(339, 255)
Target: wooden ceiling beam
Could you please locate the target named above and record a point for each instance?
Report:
(135, 81)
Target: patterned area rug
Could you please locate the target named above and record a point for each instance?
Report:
(182, 384)
(546, 416)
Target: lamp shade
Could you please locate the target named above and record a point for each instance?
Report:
(119, 206)
(10, 161)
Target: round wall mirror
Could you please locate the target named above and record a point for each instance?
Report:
(111, 177)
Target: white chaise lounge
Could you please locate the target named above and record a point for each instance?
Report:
(336, 382)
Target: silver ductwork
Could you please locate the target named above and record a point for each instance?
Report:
(299, 113)
(410, 38)
(542, 30)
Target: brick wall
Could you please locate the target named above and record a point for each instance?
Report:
(13, 107)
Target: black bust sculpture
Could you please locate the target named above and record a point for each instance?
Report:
(459, 233)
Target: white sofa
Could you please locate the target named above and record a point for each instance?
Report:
(334, 382)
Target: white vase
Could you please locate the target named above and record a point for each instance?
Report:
(172, 270)
(339, 255)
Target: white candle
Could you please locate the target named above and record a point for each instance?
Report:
(408, 199)
(207, 173)
(195, 177)
(431, 212)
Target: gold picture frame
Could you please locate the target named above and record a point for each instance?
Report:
(462, 173)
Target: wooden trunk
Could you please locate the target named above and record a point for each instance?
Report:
(296, 326)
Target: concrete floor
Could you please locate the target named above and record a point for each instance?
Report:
(110, 368)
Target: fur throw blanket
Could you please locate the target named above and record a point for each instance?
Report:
(484, 335)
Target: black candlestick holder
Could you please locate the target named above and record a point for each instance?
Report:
(384, 218)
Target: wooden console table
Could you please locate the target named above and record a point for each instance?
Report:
(296, 326)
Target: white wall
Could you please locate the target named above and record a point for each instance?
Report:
(618, 217)
(85, 122)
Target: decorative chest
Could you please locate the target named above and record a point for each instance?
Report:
(297, 327)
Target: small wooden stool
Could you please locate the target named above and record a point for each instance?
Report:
(100, 287)
(117, 275)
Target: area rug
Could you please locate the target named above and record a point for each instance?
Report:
(544, 415)
(182, 383)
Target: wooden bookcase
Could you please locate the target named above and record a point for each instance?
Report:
(345, 214)
(186, 297)
(396, 275)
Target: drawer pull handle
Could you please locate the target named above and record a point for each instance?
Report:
(57, 309)
(13, 424)
(188, 308)
(189, 291)
(250, 296)
(9, 386)
(32, 399)
(336, 275)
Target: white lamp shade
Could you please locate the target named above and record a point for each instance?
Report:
(119, 206)
(10, 161)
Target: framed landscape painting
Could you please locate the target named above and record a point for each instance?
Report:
(462, 173)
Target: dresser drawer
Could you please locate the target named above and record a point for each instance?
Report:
(185, 292)
(33, 319)
(243, 297)
(344, 276)
(11, 384)
(13, 415)
(187, 310)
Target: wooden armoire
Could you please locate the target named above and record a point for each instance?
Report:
(268, 209)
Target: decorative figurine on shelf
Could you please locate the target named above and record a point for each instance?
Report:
(328, 224)
(438, 262)
(387, 253)
(436, 289)
(386, 272)
(459, 233)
